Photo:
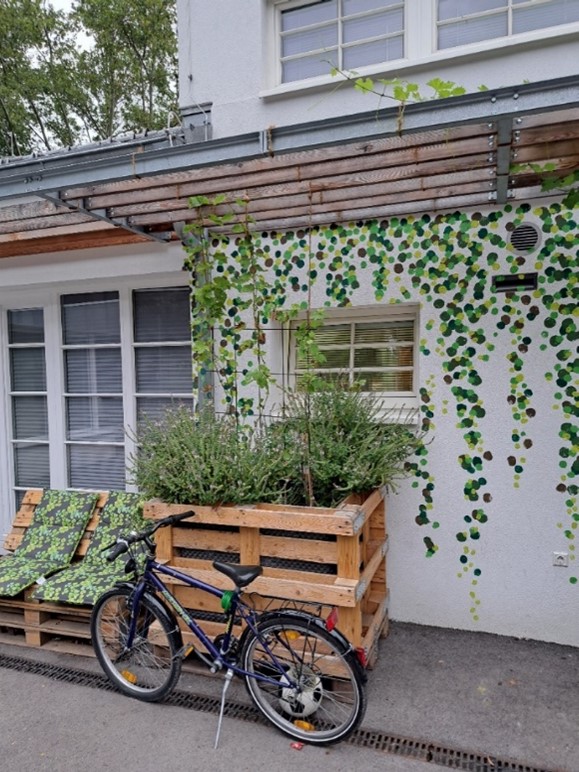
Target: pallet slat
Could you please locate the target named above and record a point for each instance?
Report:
(315, 556)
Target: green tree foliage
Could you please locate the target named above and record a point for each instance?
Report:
(104, 68)
(128, 77)
(37, 57)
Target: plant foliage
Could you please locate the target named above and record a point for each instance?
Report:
(327, 445)
(106, 67)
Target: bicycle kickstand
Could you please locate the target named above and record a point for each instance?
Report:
(227, 680)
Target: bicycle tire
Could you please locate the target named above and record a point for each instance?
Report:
(150, 669)
(329, 702)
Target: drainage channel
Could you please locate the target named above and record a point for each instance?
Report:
(453, 758)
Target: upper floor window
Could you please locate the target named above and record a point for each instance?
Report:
(315, 37)
(371, 36)
(463, 22)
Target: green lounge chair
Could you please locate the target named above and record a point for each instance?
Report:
(50, 541)
(83, 582)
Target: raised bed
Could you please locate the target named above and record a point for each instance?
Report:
(310, 556)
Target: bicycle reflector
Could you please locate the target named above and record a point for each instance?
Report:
(305, 725)
(226, 599)
(128, 676)
(332, 619)
(362, 656)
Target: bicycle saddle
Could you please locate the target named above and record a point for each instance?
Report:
(240, 575)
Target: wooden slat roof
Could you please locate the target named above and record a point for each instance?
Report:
(432, 170)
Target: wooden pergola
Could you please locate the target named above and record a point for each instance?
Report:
(465, 152)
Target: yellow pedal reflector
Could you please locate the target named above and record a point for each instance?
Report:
(189, 650)
(305, 725)
(128, 676)
(291, 635)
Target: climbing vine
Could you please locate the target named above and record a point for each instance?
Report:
(447, 264)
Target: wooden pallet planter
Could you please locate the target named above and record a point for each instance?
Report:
(30, 622)
(309, 556)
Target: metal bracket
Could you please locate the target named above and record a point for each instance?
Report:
(102, 215)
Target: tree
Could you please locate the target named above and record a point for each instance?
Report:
(128, 77)
(37, 56)
(54, 92)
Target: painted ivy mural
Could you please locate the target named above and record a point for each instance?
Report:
(447, 263)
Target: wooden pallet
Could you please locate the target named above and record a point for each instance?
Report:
(25, 621)
(334, 557)
(25, 514)
(29, 622)
(315, 557)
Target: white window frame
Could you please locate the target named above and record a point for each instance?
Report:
(49, 300)
(509, 8)
(287, 5)
(420, 47)
(404, 404)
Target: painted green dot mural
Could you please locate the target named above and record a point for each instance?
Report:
(481, 352)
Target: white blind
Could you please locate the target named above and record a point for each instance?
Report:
(163, 365)
(339, 33)
(29, 435)
(461, 22)
(532, 16)
(93, 390)
(376, 355)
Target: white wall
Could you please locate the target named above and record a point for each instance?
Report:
(227, 58)
(446, 264)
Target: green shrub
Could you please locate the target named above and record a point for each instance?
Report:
(346, 444)
(190, 458)
(325, 446)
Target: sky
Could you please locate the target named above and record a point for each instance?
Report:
(62, 4)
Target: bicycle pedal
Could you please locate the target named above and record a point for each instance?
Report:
(187, 651)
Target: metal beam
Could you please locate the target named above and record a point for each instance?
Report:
(503, 162)
(135, 160)
(102, 215)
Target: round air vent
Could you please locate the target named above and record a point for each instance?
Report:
(525, 238)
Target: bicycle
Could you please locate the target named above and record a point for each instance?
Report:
(301, 673)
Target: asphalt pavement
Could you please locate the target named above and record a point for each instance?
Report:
(465, 695)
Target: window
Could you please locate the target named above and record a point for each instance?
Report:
(91, 335)
(372, 37)
(374, 351)
(162, 335)
(461, 22)
(346, 34)
(84, 368)
(30, 451)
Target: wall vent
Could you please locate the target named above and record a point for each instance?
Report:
(525, 237)
(518, 282)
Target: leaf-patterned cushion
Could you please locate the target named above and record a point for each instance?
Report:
(84, 582)
(58, 525)
(18, 573)
(50, 540)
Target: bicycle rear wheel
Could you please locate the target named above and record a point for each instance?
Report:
(149, 669)
(319, 697)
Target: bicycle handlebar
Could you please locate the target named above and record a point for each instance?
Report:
(121, 545)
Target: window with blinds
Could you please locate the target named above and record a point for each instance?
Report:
(377, 355)
(162, 348)
(28, 399)
(462, 22)
(346, 34)
(91, 337)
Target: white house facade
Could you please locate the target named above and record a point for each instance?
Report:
(447, 275)
(475, 531)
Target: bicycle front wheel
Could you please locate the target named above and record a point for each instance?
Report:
(150, 667)
(302, 678)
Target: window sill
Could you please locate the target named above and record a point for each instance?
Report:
(402, 66)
